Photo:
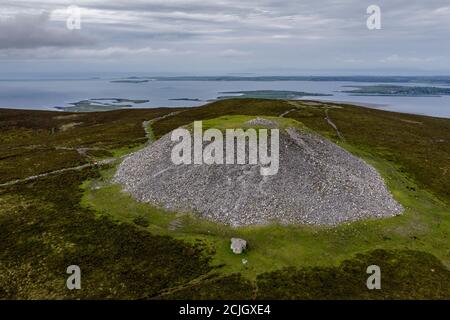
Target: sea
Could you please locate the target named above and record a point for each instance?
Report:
(44, 93)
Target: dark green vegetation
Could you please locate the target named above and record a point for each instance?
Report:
(46, 224)
(34, 142)
(44, 230)
(348, 280)
(402, 91)
(268, 94)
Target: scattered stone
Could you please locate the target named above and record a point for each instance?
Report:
(262, 122)
(318, 183)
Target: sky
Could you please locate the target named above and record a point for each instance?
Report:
(222, 37)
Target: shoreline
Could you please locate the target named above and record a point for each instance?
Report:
(374, 106)
(358, 104)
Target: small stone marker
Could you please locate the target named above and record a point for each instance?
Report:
(238, 245)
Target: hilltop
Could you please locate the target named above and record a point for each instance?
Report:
(71, 212)
(317, 183)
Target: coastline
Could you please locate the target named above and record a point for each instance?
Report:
(359, 104)
(375, 106)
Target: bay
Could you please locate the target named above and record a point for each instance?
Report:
(47, 94)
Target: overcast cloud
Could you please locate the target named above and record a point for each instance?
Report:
(199, 37)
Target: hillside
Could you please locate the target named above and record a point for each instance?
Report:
(59, 207)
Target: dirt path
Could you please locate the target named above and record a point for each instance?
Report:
(327, 118)
(286, 113)
(146, 124)
(175, 289)
(331, 123)
(87, 165)
(82, 151)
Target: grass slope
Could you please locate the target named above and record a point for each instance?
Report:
(423, 226)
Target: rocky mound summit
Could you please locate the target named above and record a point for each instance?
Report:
(317, 183)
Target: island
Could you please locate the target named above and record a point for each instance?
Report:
(101, 104)
(185, 99)
(393, 90)
(268, 94)
(129, 81)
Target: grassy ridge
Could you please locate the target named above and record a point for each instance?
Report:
(251, 107)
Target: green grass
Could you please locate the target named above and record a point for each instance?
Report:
(428, 279)
(249, 107)
(32, 142)
(240, 121)
(43, 230)
(423, 226)
(405, 275)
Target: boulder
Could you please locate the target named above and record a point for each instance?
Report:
(238, 245)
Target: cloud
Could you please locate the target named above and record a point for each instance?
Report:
(110, 53)
(395, 58)
(276, 34)
(27, 31)
(442, 11)
(353, 61)
(234, 53)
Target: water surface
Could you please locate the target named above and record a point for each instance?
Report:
(46, 94)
